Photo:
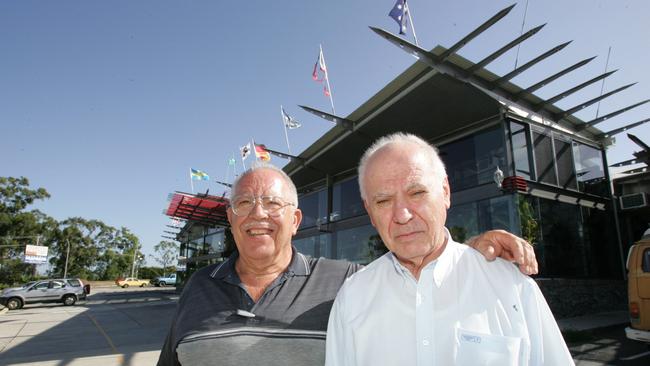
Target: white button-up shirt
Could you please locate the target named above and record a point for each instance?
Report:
(462, 311)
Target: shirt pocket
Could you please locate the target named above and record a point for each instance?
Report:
(474, 348)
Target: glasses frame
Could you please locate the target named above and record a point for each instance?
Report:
(258, 199)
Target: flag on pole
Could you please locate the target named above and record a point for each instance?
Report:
(196, 174)
(289, 121)
(321, 68)
(261, 153)
(245, 151)
(400, 14)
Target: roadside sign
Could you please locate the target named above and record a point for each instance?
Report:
(36, 254)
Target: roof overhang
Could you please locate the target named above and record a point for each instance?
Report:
(201, 208)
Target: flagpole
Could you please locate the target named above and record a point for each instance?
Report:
(327, 78)
(227, 171)
(242, 160)
(521, 32)
(602, 86)
(408, 10)
(254, 149)
(286, 134)
(191, 182)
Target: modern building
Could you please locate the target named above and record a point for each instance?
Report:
(514, 161)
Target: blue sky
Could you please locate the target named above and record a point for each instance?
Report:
(107, 104)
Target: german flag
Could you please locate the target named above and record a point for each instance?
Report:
(261, 152)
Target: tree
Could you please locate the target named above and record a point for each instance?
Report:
(19, 227)
(166, 253)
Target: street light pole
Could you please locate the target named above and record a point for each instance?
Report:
(135, 250)
(67, 255)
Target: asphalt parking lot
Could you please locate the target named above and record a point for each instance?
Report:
(113, 326)
(126, 327)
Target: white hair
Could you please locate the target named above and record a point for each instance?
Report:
(401, 138)
(257, 165)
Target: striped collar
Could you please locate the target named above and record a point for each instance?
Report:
(299, 265)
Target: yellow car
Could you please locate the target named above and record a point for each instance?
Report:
(638, 266)
(131, 281)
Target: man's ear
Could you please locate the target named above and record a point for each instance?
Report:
(446, 192)
(229, 214)
(365, 205)
(297, 219)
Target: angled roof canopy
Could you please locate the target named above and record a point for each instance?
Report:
(202, 208)
(445, 93)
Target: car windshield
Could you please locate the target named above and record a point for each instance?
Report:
(28, 284)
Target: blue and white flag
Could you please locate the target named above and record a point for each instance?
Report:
(400, 14)
(289, 121)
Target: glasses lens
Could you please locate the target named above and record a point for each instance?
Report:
(271, 205)
(243, 205)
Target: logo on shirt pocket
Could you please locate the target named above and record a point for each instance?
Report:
(474, 348)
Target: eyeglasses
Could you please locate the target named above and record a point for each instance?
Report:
(271, 205)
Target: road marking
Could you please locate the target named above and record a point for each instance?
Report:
(635, 356)
(108, 339)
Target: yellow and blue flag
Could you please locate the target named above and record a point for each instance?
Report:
(196, 174)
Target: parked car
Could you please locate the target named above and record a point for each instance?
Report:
(131, 281)
(63, 290)
(164, 280)
(638, 289)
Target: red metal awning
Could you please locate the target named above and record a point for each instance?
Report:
(202, 208)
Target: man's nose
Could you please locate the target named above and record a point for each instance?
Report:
(257, 211)
(401, 213)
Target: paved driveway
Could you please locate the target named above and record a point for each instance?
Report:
(113, 327)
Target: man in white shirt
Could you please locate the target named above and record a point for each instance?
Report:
(430, 301)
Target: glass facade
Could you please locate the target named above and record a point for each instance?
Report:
(346, 200)
(470, 219)
(360, 244)
(589, 169)
(314, 208)
(520, 150)
(472, 160)
(573, 241)
(544, 158)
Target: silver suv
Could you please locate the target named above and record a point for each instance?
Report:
(63, 290)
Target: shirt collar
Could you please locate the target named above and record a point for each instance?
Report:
(442, 264)
(299, 266)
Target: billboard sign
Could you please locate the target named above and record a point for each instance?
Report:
(35, 254)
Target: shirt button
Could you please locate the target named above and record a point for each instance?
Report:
(418, 299)
(425, 342)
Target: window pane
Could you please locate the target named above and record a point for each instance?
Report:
(346, 200)
(646, 260)
(472, 160)
(565, 169)
(544, 158)
(359, 244)
(489, 153)
(498, 213)
(462, 221)
(306, 246)
(519, 139)
(314, 208)
(589, 168)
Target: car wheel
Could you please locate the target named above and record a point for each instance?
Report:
(143, 284)
(162, 283)
(14, 303)
(126, 285)
(69, 300)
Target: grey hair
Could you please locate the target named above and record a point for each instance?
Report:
(401, 138)
(257, 165)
